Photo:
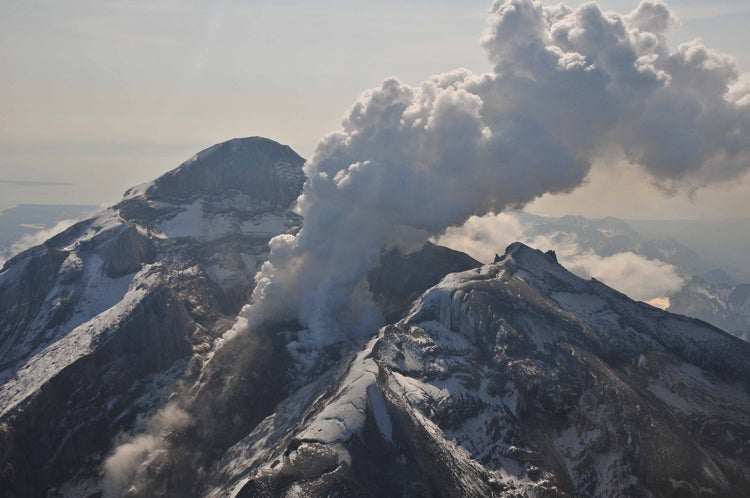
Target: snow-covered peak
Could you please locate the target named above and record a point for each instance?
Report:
(254, 166)
(526, 274)
(529, 259)
(242, 185)
(96, 322)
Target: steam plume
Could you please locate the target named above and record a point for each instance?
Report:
(124, 470)
(567, 85)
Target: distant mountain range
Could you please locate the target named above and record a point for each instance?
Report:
(724, 244)
(609, 236)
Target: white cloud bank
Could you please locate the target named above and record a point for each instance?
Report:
(483, 237)
(639, 277)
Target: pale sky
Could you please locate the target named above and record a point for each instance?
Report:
(97, 96)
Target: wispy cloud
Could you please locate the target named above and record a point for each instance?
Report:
(33, 239)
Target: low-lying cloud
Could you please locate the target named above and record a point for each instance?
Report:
(29, 183)
(39, 237)
(639, 277)
(33, 239)
(482, 237)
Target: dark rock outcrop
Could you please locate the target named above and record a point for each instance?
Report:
(127, 252)
(401, 278)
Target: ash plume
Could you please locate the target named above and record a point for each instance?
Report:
(568, 86)
(124, 469)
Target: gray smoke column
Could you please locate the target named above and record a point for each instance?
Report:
(567, 87)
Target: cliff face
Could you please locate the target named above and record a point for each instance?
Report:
(98, 323)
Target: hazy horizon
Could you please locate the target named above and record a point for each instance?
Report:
(100, 97)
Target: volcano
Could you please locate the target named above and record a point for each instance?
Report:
(120, 374)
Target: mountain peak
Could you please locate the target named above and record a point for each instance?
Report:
(521, 252)
(532, 260)
(259, 167)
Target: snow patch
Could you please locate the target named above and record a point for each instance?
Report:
(344, 415)
(579, 303)
(380, 411)
(270, 223)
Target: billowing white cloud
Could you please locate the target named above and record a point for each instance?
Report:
(482, 237)
(640, 278)
(567, 85)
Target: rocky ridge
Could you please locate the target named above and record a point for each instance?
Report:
(514, 379)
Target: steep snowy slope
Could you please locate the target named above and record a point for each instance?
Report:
(514, 379)
(98, 321)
